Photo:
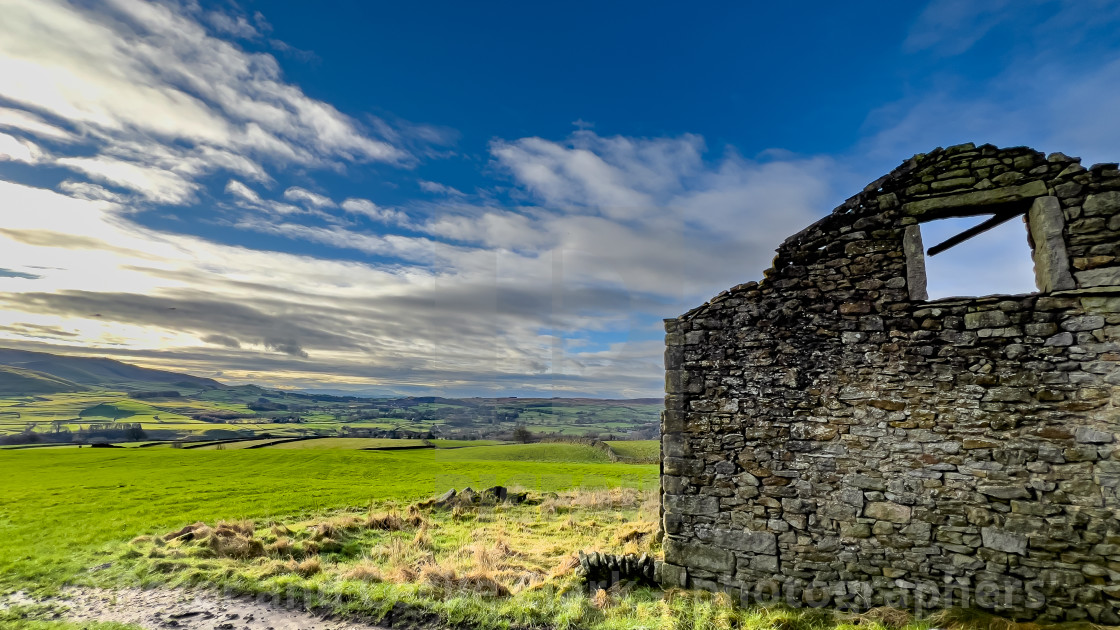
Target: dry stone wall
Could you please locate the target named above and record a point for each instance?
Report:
(831, 437)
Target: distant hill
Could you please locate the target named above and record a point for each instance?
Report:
(16, 381)
(95, 372)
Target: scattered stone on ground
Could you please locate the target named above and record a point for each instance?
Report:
(470, 498)
(18, 598)
(157, 609)
(604, 570)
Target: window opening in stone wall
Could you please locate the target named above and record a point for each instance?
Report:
(996, 260)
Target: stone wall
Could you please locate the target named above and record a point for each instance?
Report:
(831, 437)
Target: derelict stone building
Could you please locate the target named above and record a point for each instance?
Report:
(832, 436)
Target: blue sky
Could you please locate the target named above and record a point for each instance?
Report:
(483, 199)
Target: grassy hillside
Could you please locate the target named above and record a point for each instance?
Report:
(573, 453)
(53, 398)
(97, 371)
(16, 381)
(351, 444)
(644, 451)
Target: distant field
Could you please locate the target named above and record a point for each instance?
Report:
(38, 447)
(346, 443)
(461, 443)
(545, 452)
(112, 415)
(74, 411)
(640, 450)
(240, 444)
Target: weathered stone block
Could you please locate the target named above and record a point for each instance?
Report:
(1001, 540)
(697, 556)
(888, 511)
(838, 511)
(764, 564)
(674, 445)
(814, 431)
(1106, 203)
(1005, 492)
(1089, 435)
(994, 196)
(752, 542)
(986, 319)
(1084, 322)
(1051, 260)
(691, 504)
(1060, 340)
(672, 575)
(1007, 394)
(865, 482)
(1102, 277)
(680, 466)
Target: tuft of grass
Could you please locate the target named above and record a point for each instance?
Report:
(304, 568)
(971, 619)
(388, 522)
(281, 547)
(885, 616)
(364, 571)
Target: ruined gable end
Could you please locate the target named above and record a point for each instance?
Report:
(831, 436)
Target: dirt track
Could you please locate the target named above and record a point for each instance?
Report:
(157, 609)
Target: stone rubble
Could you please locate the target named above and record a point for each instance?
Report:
(604, 570)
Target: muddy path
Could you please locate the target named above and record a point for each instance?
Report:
(157, 609)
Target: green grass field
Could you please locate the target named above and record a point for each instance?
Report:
(347, 443)
(461, 443)
(59, 508)
(545, 452)
(238, 445)
(646, 451)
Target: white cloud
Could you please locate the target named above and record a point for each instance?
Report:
(237, 26)
(13, 149)
(307, 197)
(493, 228)
(953, 26)
(34, 125)
(91, 192)
(146, 84)
(619, 176)
(370, 210)
(657, 216)
(155, 184)
(243, 192)
(440, 189)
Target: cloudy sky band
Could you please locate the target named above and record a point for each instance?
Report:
(169, 196)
